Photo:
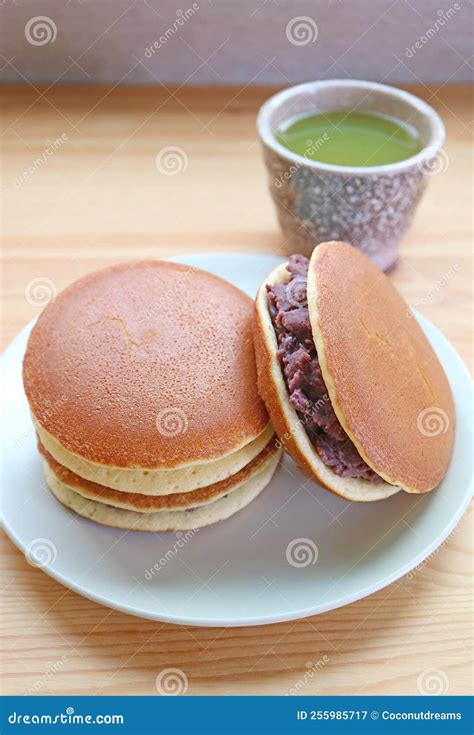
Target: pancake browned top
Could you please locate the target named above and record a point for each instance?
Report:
(146, 364)
(386, 385)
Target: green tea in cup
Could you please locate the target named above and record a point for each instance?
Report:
(348, 160)
(350, 138)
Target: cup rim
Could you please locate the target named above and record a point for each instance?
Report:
(432, 147)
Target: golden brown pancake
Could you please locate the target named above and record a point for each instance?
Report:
(157, 481)
(382, 375)
(165, 520)
(149, 503)
(146, 365)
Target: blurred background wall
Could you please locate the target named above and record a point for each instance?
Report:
(234, 41)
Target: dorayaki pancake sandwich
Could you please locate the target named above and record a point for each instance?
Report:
(141, 381)
(349, 379)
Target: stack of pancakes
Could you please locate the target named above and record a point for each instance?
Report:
(142, 385)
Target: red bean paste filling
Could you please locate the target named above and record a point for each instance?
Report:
(300, 365)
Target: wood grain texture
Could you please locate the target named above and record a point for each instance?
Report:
(100, 199)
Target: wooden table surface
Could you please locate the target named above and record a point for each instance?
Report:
(98, 198)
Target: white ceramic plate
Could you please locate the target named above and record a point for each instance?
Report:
(297, 550)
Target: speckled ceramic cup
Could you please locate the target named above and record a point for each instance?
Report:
(370, 207)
